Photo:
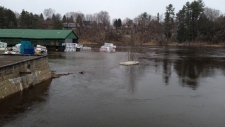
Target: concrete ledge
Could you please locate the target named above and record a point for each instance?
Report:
(12, 81)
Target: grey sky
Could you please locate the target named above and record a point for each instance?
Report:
(115, 8)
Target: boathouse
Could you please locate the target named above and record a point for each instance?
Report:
(52, 39)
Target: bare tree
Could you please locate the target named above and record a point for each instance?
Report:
(104, 18)
(68, 15)
(49, 12)
(128, 22)
(211, 14)
(89, 17)
(74, 15)
(17, 14)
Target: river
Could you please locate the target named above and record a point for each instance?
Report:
(172, 87)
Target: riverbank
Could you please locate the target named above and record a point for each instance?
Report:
(154, 43)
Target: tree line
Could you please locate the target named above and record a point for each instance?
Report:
(193, 23)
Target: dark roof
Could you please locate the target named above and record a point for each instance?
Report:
(37, 34)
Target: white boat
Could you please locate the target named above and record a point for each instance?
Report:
(72, 47)
(41, 50)
(86, 48)
(79, 47)
(108, 47)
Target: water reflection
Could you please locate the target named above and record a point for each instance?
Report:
(193, 65)
(131, 77)
(167, 68)
(21, 102)
(190, 64)
(108, 94)
(55, 55)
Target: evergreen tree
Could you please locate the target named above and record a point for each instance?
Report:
(188, 17)
(169, 21)
(181, 36)
(115, 24)
(41, 16)
(7, 18)
(119, 23)
(64, 19)
(204, 28)
(25, 20)
(1, 17)
(57, 23)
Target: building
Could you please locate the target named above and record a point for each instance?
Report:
(69, 26)
(52, 39)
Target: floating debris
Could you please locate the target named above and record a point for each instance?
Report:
(129, 63)
(54, 75)
(81, 72)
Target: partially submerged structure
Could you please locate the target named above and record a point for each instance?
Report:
(52, 39)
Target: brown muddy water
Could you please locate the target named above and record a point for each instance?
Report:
(172, 87)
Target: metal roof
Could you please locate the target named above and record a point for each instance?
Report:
(37, 34)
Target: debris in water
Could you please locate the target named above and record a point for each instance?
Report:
(81, 72)
(54, 75)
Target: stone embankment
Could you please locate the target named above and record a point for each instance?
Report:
(20, 74)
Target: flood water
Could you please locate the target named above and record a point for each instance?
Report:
(172, 87)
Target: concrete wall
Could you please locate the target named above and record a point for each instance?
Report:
(12, 80)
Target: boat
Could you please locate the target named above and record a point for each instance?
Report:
(86, 48)
(108, 47)
(79, 47)
(72, 47)
(41, 50)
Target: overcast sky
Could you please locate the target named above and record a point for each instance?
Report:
(115, 8)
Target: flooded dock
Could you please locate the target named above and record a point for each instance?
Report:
(170, 87)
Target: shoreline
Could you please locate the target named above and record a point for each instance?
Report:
(187, 44)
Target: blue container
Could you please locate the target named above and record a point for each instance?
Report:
(29, 51)
(25, 42)
(26, 47)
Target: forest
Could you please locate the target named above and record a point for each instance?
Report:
(194, 23)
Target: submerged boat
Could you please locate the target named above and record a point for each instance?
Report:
(108, 47)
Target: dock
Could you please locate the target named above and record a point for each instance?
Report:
(7, 60)
(18, 72)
